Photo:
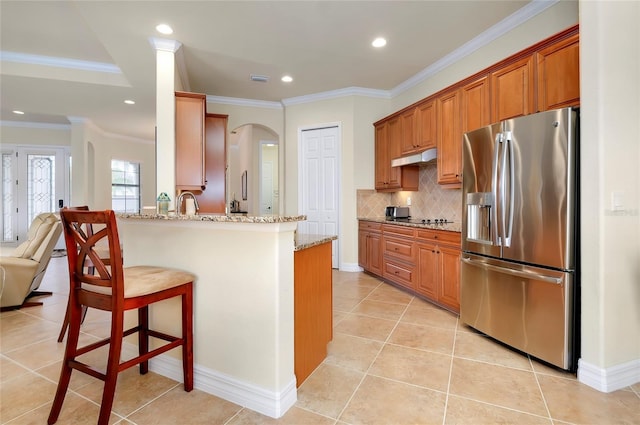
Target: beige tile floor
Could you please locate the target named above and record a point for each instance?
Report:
(394, 359)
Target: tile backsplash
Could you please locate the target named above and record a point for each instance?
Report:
(431, 201)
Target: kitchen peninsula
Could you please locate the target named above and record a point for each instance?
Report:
(244, 299)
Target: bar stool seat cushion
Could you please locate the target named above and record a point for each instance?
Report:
(145, 280)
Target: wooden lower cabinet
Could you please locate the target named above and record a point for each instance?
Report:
(439, 267)
(399, 255)
(449, 289)
(313, 308)
(370, 247)
(424, 261)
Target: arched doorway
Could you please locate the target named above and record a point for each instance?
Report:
(253, 170)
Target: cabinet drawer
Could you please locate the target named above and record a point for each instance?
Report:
(402, 274)
(439, 235)
(401, 248)
(394, 229)
(370, 225)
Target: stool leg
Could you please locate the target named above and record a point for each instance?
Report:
(113, 367)
(187, 336)
(143, 337)
(74, 313)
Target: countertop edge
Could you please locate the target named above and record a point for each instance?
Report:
(221, 218)
(304, 241)
(448, 227)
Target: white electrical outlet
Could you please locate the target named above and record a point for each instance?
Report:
(409, 201)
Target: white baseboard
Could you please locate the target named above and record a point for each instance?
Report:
(350, 267)
(270, 403)
(610, 379)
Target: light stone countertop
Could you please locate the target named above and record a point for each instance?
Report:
(302, 241)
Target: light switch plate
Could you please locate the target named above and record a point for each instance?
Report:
(617, 201)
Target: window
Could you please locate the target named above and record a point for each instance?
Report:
(125, 186)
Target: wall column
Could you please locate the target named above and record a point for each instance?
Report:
(165, 115)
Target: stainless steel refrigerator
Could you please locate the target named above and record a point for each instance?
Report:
(520, 232)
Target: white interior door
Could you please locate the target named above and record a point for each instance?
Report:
(266, 189)
(35, 180)
(319, 184)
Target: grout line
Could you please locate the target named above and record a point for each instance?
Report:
(544, 399)
(453, 350)
(366, 373)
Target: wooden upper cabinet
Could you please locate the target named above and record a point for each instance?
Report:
(190, 141)
(512, 90)
(212, 198)
(558, 74)
(426, 129)
(475, 106)
(388, 178)
(449, 139)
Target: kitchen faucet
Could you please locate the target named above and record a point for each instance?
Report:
(179, 202)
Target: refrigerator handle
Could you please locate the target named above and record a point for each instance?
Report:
(518, 273)
(507, 228)
(494, 191)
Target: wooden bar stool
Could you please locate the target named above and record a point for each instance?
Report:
(116, 288)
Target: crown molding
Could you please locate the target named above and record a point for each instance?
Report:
(333, 94)
(59, 62)
(522, 15)
(244, 102)
(35, 125)
(165, 44)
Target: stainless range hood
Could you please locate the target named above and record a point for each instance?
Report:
(420, 158)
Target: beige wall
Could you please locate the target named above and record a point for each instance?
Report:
(58, 136)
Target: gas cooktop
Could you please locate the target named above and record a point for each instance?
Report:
(420, 220)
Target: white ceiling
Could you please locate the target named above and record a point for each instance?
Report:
(66, 59)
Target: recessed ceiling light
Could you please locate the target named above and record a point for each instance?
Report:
(287, 79)
(164, 29)
(379, 42)
(130, 102)
(18, 112)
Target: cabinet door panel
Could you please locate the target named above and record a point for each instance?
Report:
(190, 171)
(558, 75)
(383, 162)
(513, 90)
(374, 248)
(426, 131)
(212, 198)
(395, 141)
(449, 139)
(449, 293)
(408, 141)
(428, 275)
(362, 249)
(475, 105)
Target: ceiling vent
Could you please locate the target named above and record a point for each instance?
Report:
(259, 78)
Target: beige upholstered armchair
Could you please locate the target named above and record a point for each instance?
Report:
(25, 267)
